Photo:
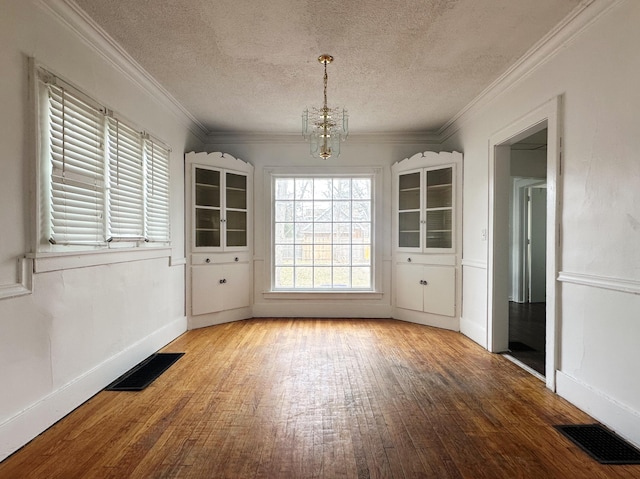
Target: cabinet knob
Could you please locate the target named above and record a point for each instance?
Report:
(408, 260)
(425, 283)
(207, 260)
(236, 259)
(223, 281)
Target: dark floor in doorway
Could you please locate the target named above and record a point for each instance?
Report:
(527, 327)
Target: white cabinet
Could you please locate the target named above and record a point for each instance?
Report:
(218, 205)
(426, 209)
(219, 287)
(426, 288)
(426, 239)
(219, 213)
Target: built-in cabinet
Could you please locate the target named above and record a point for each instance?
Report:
(218, 218)
(426, 230)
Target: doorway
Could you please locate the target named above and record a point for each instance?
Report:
(509, 271)
(527, 255)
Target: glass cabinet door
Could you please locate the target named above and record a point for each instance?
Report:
(207, 208)
(439, 208)
(236, 210)
(409, 210)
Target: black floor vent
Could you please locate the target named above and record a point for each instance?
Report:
(140, 376)
(601, 444)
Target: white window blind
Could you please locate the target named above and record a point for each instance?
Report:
(77, 169)
(126, 181)
(107, 180)
(157, 192)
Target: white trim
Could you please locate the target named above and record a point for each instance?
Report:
(474, 331)
(45, 262)
(603, 282)
(16, 431)
(613, 414)
(24, 285)
(583, 15)
(474, 263)
(72, 16)
(322, 295)
(223, 138)
(177, 261)
(546, 115)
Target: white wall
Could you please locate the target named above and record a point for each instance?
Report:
(294, 155)
(598, 73)
(80, 328)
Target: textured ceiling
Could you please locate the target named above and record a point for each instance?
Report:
(400, 65)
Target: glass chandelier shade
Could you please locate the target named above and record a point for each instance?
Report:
(324, 128)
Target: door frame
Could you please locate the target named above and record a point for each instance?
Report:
(547, 116)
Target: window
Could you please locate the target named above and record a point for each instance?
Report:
(103, 180)
(322, 233)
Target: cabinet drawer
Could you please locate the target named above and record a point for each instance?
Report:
(219, 258)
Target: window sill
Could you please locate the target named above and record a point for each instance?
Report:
(306, 295)
(61, 260)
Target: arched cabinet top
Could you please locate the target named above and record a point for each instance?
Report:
(220, 159)
(427, 158)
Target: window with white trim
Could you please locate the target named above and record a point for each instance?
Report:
(103, 181)
(322, 233)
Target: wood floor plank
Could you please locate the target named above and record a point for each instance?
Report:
(317, 398)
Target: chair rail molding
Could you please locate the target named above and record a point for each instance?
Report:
(603, 282)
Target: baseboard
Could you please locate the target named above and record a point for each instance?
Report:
(24, 426)
(617, 417)
(474, 331)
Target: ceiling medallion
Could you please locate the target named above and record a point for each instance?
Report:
(325, 127)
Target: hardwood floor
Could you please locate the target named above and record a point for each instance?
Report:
(286, 398)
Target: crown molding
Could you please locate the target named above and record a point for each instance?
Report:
(69, 14)
(229, 138)
(580, 18)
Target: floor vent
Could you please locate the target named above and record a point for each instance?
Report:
(140, 376)
(601, 444)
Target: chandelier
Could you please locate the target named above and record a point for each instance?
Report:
(325, 127)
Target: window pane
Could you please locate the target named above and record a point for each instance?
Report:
(342, 189)
(322, 254)
(361, 255)
(284, 255)
(341, 255)
(304, 255)
(284, 233)
(284, 211)
(304, 233)
(361, 233)
(322, 233)
(284, 277)
(361, 188)
(304, 277)
(322, 277)
(322, 211)
(361, 211)
(341, 277)
(342, 211)
(304, 189)
(284, 188)
(342, 232)
(361, 277)
(304, 211)
(322, 188)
